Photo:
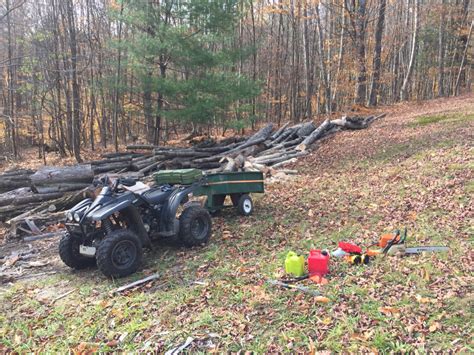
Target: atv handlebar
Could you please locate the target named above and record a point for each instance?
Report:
(107, 181)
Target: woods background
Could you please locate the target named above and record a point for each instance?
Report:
(77, 74)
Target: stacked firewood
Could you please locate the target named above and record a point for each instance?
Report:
(54, 189)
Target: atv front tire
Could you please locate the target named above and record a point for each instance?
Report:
(69, 253)
(195, 226)
(119, 254)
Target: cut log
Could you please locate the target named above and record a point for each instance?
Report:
(17, 172)
(98, 169)
(315, 135)
(280, 146)
(234, 164)
(183, 153)
(122, 158)
(141, 147)
(60, 187)
(259, 137)
(7, 198)
(33, 198)
(51, 175)
(306, 129)
(217, 150)
(151, 167)
(287, 134)
(356, 122)
(13, 183)
(282, 157)
(279, 132)
(120, 154)
(251, 166)
(211, 159)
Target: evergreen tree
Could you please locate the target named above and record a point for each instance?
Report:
(182, 55)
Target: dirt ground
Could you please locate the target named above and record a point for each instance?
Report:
(413, 168)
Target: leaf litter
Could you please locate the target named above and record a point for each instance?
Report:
(355, 187)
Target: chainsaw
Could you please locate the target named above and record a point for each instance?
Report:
(392, 244)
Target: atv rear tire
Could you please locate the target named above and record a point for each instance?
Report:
(69, 253)
(119, 254)
(195, 226)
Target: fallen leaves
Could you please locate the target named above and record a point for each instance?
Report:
(321, 299)
(434, 327)
(389, 311)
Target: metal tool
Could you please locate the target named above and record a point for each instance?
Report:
(402, 249)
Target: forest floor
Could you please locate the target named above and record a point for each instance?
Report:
(414, 168)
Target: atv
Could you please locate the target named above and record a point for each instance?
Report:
(112, 230)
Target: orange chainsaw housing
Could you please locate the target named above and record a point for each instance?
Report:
(384, 239)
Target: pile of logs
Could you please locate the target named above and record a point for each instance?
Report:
(266, 148)
(52, 189)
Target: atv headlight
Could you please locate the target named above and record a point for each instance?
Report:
(69, 216)
(77, 217)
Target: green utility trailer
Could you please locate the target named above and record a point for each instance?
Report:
(238, 185)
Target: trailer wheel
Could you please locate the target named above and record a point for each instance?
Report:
(195, 226)
(245, 205)
(69, 253)
(120, 254)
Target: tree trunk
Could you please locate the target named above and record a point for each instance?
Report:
(461, 67)
(11, 123)
(117, 82)
(441, 48)
(76, 93)
(377, 63)
(411, 64)
(361, 86)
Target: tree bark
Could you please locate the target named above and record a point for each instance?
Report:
(76, 93)
(377, 63)
(441, 48)
(50, 175)
(414, 44)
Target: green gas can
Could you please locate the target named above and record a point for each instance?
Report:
(294, 264)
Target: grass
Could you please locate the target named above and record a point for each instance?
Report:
(424, 186)
(443, 118)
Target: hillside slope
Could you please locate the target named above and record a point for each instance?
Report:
(414, 168)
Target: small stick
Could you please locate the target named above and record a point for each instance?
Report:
(63, 295)
(136, 283)
(43, 236)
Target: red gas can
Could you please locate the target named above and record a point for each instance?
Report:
(318, 262)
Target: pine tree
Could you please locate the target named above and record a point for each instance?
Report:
(182, 55)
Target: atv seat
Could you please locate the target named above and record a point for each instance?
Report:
(156, 196)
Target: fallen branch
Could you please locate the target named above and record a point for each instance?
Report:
(136, 283)
(44, 236)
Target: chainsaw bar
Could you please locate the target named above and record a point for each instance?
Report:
(432, 249)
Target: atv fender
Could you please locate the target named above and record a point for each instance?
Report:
(80, 205)
(108, 210)
(168, 225)
(129, 212)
